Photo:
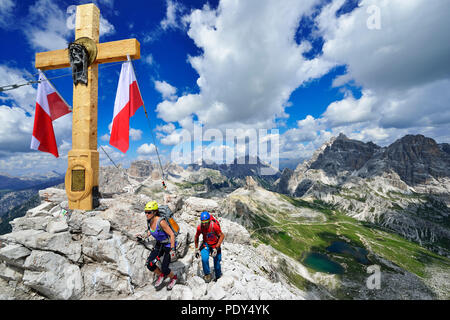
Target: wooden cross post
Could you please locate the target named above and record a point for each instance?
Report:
(81, 180)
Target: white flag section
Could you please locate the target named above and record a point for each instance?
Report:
(128, 100)
(49, 106)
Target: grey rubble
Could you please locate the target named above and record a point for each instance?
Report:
(93, 255)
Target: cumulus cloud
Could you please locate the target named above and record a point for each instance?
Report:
(117, 156)
(146, 149)
(149, 59)
(16, 129)
(105, 137)
(351, 110)
(250, 64)
(17, 119)
(17, 114)
(172, 19)
(23, 97)
(49, 27)
(6, 9)
(410, 49)
(402, 68)
(401, 75)
(167, 91)
(167, 128)
(173, 138)
(135, 134)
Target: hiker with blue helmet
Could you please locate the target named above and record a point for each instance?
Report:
(165, 248)
(211, 244)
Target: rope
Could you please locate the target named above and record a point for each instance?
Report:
(15, 86)
(150, 127)
(126, 174)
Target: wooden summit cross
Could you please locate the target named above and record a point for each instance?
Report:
(81, 180)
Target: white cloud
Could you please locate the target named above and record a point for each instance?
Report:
(6, 9)
(171, 111)
(250, 66)
(23, 97)
(105, 137)
(410, 49)
(15, 130)
(108, 3)
(172, 15)
(351, 110)
(135, 134)
(149, 59)
(167, 128)
(167, 91)
(405, 78)
(106, 28)
(48, 27)
(173, 138)
(403, 69)
(146, 149)
(117, 156)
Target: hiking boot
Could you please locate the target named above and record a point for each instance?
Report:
(207, 278)
(172, 283)
(159, 280)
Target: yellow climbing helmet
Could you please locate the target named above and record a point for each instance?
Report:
(152, 205)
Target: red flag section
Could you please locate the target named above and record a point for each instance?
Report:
(49, 106)
(128, 100)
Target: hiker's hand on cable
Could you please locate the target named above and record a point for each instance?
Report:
(197, 254)
(214, 252)
(173, 253)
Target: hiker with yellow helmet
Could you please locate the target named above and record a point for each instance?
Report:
(165, 248)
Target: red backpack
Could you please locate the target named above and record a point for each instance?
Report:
(210, 234)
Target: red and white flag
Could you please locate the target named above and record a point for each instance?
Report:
(128, 100)
(49, 106)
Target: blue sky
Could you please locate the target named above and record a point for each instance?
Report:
(374, 70)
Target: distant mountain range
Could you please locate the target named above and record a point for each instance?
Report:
(404, 187)
(35, 180)
(318, 227)
(18, 194)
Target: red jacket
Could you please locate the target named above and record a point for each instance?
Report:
(210, 234)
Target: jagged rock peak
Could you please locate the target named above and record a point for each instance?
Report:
(416, 159)
(141, 168)
(342, 136)
(342, 154)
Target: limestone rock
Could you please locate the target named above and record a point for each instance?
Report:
(200, 204)
(96, 226)
(14, 254)
(53, 195)
(41, 240)
(41, 210)
(57, 226)
(10, 273)
(27, 223)
(99, 279)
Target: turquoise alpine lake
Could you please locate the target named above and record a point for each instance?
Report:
(322, 263)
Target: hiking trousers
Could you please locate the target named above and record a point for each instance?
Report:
(163, 253)
(205, 261)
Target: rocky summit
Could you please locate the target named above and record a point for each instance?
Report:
(356, 221)
(56, 253)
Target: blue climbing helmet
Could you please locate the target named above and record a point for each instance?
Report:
(204, 216)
